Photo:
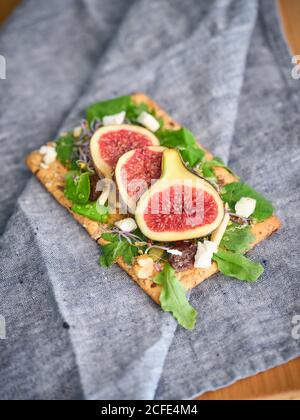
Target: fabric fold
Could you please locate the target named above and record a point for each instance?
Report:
(51, 50)
(93, 331)
(37, 359)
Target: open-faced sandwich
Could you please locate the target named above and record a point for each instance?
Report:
(163, 208)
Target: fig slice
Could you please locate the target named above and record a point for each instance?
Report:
(108, 144)
(180, 206)
(136, 171)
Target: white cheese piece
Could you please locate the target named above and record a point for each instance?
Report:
(63, 134)
(77, 131)
(148, 121)
(49, 155)
(174, 252)
(144, 268)
(218, 234)
(116, 119)
(43, 150)
(205, 252)
(43, 166)
(245, 207)
(126, 225)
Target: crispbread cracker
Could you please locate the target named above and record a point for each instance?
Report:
(53, 180)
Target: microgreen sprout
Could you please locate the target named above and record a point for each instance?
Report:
(164, 248)
(245, 220)
(131, 238)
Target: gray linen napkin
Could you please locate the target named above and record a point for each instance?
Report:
(75, 330)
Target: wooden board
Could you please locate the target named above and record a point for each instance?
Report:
(6, 7)
(282, 382)
(290, 17)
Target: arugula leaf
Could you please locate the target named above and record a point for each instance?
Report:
(110, 237)
(238, 238)
(232, 193)
(110, 107)
(78, 187)
(185, 142)
(208, 171)
(216, 162)
(192, 155)
(92, 211)
(176, 138)
(173, 298)
(134, 111)
(207, 167)
(236, 265)
(117, 105)
(115, 249)
(65, 149)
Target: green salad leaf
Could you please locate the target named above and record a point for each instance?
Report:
(92, 211)
(238, 266)
(192, 155)
(232, 193)
(173, 298)
(117, 105)
(208, 171)
(207, 167)
(238, 238)
(134, 111)
(78, 187)
(185, 142)
(65, 149)
(110, 107)
(116, 248)
(176, 138)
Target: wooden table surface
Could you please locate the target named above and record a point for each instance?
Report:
(283, 382)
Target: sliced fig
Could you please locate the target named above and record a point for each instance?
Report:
(108, 144)
(180, 206)
(136, 171)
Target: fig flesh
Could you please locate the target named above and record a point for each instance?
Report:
(108, 144)
(180, 205)
(136, 171)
